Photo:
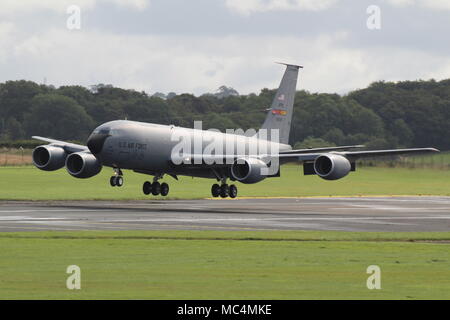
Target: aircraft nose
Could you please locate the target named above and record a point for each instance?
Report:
(96, 141)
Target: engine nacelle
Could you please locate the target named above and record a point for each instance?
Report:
(248, 170)
(82, 165)
(49, 158)
(332, 166)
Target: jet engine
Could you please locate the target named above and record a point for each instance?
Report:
(332, 166)
(248, 170)
(82, 165)
(49, 158)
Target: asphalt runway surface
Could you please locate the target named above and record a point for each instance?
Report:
(345, 214)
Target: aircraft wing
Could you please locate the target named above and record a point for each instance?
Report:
(67, 146)
(224, 160)
(355, 155)
(315, 150)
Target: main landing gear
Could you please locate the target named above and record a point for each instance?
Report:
(117, 179)
(224, 190)
(155, 188)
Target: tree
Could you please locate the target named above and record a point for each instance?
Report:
(16, 96)
(80, 94)
(386, 114)
(311, 142)
(57, 116)
(152, 109)
(224, 92)
(160, 95)
(14, 130)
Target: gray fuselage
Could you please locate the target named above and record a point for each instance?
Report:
(149, 148)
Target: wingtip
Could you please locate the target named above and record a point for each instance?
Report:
(429, 150)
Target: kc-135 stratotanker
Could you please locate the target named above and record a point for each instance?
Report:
(160, 150)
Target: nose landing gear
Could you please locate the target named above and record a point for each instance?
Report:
(117, 179)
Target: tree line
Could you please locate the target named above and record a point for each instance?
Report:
(384, 115)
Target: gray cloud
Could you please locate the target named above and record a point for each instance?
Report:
(196, 46)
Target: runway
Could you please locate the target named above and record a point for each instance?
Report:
(345, 214)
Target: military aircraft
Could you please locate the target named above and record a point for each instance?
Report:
(160, 150)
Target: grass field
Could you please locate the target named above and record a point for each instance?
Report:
(224, 265)
(431, 161)
(29, 183)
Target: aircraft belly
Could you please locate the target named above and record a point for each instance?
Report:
(192, 172)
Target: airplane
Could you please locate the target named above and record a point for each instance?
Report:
(148, 148)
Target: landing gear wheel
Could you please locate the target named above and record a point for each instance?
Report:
(164, 189)
(224, 190)
(156, 188)
(116, 181)
(233, 191)
(119, 181)
(215, 190)
(147, 188)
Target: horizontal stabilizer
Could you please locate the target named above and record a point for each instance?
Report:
(290, 65)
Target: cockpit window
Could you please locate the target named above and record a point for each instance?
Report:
(104, 131)
(114, 132)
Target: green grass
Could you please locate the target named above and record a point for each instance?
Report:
(224, 265)
(437, 161)
(29, 183)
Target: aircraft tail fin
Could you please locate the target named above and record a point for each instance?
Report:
(280, 113)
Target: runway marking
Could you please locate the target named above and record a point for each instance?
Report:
(280, 218)
(190, 226)
(123, 227)
(52, 210)
(19, 218)
(36, 228)
(135, 226)
(335, 197)
(87, 220)
(389, 208)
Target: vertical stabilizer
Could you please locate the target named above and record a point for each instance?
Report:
(280, 113)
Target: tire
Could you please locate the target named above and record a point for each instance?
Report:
(224, 191)
(147, 188)
(164, 189)
(233, 191)
(156, 188)
(215, 190)
(119, 181)
(112, 181)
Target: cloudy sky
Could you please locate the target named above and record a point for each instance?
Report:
(197, 45)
